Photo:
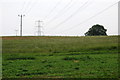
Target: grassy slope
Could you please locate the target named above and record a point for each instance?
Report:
(59, 44)
(60, 57)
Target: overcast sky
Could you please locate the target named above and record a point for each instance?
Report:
(60, 17)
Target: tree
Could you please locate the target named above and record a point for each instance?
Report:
(96, 30)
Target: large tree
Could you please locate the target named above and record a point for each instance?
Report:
(96, 30)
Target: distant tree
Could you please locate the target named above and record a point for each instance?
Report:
(96, 30)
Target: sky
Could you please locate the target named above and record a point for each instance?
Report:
(58, 17)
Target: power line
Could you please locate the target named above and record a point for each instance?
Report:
(68, 18)
(58, 15)
(32, 5)
(52, 9)
(26, 6)
(23, 6)
(90, 17)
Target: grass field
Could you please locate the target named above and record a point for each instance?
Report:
(60, 57)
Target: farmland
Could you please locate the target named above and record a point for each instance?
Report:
(60, 57)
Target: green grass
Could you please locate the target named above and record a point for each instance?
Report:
(59, 44)
(60, 57)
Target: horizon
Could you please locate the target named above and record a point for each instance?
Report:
(59, 36)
